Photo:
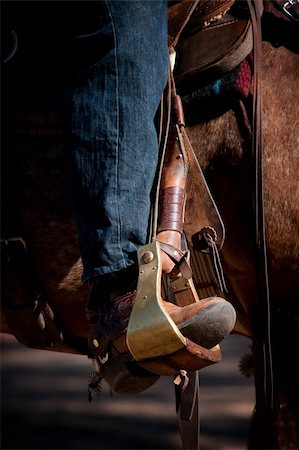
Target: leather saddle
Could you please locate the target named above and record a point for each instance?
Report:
(215, 39)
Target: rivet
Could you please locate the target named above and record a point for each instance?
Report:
(141, 271)
(96, 343)
(155, 268)
(145, 297)
(148, 257)
(175, 253)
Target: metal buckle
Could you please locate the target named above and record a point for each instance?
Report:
(289, 8)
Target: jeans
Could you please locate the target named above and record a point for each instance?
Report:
(121, 71)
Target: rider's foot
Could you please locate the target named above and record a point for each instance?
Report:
(205, 322)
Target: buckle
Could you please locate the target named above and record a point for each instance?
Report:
(291, 9)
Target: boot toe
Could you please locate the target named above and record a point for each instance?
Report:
(211, 325)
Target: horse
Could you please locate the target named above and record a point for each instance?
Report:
(221, 145)
(42, 261)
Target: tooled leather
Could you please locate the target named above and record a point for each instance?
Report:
(180, 15)
(203, 53)
(172, 201)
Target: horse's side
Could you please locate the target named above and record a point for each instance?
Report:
(223, 148)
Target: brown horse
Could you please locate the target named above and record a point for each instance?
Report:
(222, 145)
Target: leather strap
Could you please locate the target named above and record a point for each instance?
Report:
(172, 201)
(183, 171)
(165, 119)
(264, 330)
(187, 406)
(178, 16)
(179, 257)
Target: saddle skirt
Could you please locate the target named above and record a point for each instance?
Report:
(210, 40)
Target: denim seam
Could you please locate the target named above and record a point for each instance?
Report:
(117, 140)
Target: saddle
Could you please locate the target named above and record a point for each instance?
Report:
(216, 38)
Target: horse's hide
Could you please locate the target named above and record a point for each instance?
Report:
(223, 147)
(50, 233)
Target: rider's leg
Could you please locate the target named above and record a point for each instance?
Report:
(113, 142)
(114, 152)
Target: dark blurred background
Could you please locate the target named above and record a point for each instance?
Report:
(44, 405)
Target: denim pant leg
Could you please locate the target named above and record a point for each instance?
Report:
(113, 150)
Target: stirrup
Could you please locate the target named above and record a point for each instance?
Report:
(153, 338)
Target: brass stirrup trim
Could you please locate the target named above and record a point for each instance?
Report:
(151, 331)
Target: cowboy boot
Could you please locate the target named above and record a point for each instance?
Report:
(205, 323)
